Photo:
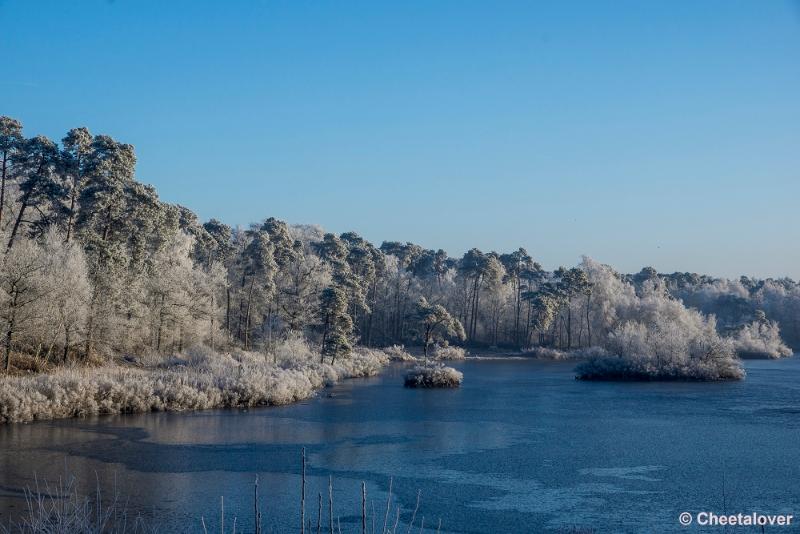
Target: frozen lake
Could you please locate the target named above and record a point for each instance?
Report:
(521, 447)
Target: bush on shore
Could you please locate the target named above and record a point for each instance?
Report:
(398, 353)
(449, 352)
(433, 376)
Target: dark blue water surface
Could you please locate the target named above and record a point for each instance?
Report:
(521, 447)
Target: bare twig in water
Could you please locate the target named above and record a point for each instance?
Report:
(319, 515)
(256, 511)
(303, 497)
(363, 507)
(330, 501)
(396, 521)
(388, 506)
(414, 515)
(62, 509)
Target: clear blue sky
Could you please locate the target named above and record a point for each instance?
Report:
(662, 133)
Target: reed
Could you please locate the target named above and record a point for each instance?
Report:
(61, 509)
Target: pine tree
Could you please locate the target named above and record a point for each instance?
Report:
(10, 141)
(337, 326)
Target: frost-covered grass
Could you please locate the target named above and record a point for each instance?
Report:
(198, 380)
(448, 352)
(548, 353)
(433, 376)
(59, 508)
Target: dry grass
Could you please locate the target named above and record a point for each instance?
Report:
(200, 379)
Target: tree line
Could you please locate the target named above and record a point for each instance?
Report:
(95, 265)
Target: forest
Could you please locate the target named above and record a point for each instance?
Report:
(96, 269)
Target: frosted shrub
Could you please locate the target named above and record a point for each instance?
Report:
(200, 379)
(433, 376)
(292, 350)
(449, 352)
(652, 336)
(589, 352)
(546, 353)
(398, 353)
(665, 351)
(760, 339)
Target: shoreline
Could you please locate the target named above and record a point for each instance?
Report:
(205, 380)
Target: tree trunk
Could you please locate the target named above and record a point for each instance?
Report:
(588, 321)
(518, 311)
(247, 316)
(427, 342)
(324, 338)
(3, 187)
(212, 322)
(241, 309)
(66, 344)
(89, 333)
(160, 325)
(73, 197)
(15, 229)
(9, 334)
(228, 311)
(71, 212)
(10, 329)
(107, 228)
(569, 324)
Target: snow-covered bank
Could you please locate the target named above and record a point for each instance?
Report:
(199, 380)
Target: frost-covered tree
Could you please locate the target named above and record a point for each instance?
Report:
(75, 154)
(23, 285)
(36, 166)
(652, 335)
(10, 143)
(761, 338)
(300, 285)
(435, 324)
(336, 323)
(144, 276)
(516, 265)
(69, 291)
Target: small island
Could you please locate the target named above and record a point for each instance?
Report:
(436, 325)
(433, 376)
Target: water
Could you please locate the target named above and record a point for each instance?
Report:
(521, 447)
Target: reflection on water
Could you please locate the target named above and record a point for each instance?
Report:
(520, 447)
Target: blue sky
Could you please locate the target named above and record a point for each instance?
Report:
(662, 133)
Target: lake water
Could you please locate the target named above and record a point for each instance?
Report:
(521, 447)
